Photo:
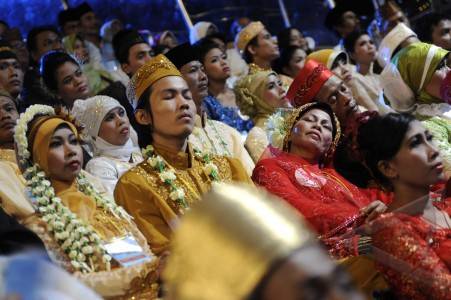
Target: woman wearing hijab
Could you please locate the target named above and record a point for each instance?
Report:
(416, 81)
(84, 231)
(258, 95)
(114, 142)
(300, 173)
(98, 78)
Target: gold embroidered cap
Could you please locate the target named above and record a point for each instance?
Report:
(155, 69)
(247, 34)
(226, 244)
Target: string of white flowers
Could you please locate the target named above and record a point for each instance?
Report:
(78, 240)
(168, 177)
(102, 201)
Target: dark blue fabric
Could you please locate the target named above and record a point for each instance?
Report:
(228, 115)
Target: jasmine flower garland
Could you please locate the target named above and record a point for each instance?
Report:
(77, 239)
(168, 177)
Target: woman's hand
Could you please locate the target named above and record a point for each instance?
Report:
(373, 210)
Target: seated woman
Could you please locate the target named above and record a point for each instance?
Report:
(413, 240)
(300, 174)
(290, 62)
(220, 104)
(415, 82)
(258, 95)
(363, 53)
(291, 36)
(84, 231)
(98, 78)
(165, 41)
(63, 76)
(114, 142)
(338, 63)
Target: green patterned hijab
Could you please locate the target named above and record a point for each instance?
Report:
(411, 63)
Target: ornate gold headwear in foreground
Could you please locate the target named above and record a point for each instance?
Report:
(247, 34)
(227, 243)
(155, 69)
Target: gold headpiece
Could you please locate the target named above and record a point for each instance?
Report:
(249, 94)
(226, 244)
(247, 34)
(5, 48)
(155, 69)
(291, 120)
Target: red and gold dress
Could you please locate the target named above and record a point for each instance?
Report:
(321, 195)
(414, 255)
(330, 204)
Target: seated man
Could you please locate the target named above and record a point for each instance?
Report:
(435, 29)
(40, 40)
(174, 174)
(11, 74)
(257, 46)
(208, 135)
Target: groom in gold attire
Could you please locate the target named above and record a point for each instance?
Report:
(173, 175)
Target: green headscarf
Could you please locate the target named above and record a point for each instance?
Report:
(98, 79)
(411, 61)
(249, 94)
(69, 42)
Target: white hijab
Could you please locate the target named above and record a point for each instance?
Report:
(199, 31)
(90, 113)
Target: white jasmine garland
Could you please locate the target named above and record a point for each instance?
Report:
(80, 242)
(177, 194)
(168, 176)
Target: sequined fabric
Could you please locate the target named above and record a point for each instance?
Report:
(142, 194)
(228, 115)
(414, 256)
(325, 198)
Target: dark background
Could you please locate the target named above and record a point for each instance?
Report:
(159, 15)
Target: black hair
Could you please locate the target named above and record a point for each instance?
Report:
(50, 63)
(351, 39)
(204, 46)
(340, 57)
(380, 139)
(3, 22)
(217, 35)
(7, 53)
(32, 35)
(144, 131)
(123, 41)
(283, 61)
(247, 56)
(283, 37)
(426, 25)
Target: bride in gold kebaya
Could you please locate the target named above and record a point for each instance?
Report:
(84, 231)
